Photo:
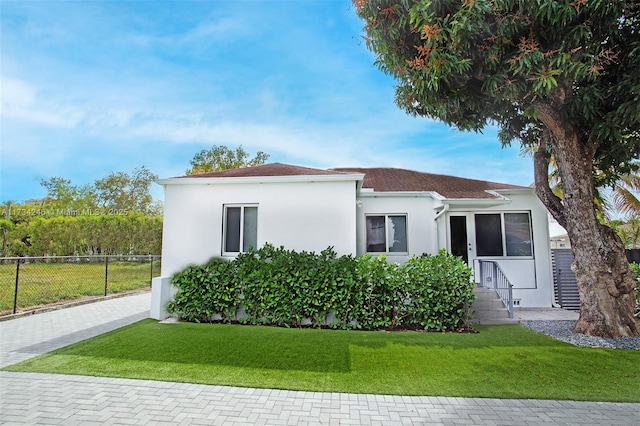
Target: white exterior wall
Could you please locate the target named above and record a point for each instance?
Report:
(421, 226)
(297, 215)
(532, 278)
(301, 214)
(541, 295)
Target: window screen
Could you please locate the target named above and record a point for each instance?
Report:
(488, 235)
(517, 229)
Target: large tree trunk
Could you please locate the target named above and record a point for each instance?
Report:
(605, 280)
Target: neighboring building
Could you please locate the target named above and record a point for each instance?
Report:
(558, 235)
(560, 242)
(387, 211)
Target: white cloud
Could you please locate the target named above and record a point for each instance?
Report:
(16, 92)
(20, 100)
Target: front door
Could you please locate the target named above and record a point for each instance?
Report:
(461, 238)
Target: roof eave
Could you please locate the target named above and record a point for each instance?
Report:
(260, 179)
(368, 193)
(476, 202)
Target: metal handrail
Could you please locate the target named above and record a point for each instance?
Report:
(493, 277)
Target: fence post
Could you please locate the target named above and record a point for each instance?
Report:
(106, 274)
(15, 294)
(151, 271)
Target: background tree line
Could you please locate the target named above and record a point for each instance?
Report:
(114, 215)
(134, 233)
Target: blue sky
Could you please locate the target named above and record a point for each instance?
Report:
(93, 87)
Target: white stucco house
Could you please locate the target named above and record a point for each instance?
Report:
(388, 211)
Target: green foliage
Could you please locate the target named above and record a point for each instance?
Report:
(629, 232)
(375, 298)
(222, 158)
(133, 233)
(477, 62)
(118, 191)
(115, 215)
(5, 227)
(126, 192)
(439, 289)
(275, 286)
(559, 77)
(636, 270)
(284, 287)
(205, 291)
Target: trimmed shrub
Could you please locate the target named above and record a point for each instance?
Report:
(439, 292)
(282, 287)
(205, 291)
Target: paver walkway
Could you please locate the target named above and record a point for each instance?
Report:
(31, 398)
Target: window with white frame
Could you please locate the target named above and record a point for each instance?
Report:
(504, 234)
(240, 228)
(386, 233)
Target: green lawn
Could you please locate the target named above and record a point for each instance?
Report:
(45, 283)
(498, 362)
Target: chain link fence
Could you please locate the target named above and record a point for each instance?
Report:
(28, 283)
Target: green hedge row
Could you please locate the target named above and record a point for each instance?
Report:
(274, 286)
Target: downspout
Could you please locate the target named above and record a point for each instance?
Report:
(441, 212)
(438, 215)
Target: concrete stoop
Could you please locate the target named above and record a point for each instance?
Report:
(488, 309)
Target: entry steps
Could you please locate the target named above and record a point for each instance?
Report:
(488, 309)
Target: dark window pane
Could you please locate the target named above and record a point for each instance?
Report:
(376, 235)
(398, 234)
(488, 235)
(517, 229)
(250, 230)
(232, 230)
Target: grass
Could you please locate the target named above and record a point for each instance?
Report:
(498, 362)
(47, 283)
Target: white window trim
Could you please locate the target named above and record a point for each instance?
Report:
(386, 231)
(224, 228)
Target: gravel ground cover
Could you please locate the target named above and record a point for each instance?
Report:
(563, 330)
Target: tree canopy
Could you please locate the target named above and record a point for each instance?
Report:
(118, 191)
(559, 76)
(223, 158)
(477, 62)
(126, 191)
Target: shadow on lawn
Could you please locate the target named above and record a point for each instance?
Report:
(276, 348)
(229, 345)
